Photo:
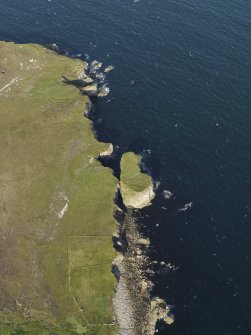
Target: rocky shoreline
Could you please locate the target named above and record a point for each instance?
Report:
(135, 310)
(77, 211)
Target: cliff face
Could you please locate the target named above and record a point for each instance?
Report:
(56, 217)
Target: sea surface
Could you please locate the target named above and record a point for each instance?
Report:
(180, 93)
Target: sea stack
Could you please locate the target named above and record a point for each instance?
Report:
(136, 186)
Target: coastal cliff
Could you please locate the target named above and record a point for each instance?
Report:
(56, 198)
(72, 261)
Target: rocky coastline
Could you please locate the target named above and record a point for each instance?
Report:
(135, 309)
(73, 215)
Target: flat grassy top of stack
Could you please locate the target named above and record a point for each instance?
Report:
(56, 201)
(136, 187)
(131, 174)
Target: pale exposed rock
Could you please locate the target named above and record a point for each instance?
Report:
(169, 319)
(86, 79)
(63, 210)
(138, 252)
(135, 311)
(158, 311)
(144, 287)
(108, 152)
(90, 90)
(167, 194)
(138, 199)
(85, 65)
(122, 302)
(144, 241)
(95, 65)
(108, 68)
(54, 47)
(103, 91)
(13, 81)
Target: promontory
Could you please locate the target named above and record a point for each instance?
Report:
(72, 260)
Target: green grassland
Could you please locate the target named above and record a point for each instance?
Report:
(56, 201)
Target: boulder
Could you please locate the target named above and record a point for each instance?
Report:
(144, 287)
(95, 65)
(144, 242)
(53, 47)
(103, 91)
(108, 68)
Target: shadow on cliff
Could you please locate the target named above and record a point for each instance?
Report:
(75, 82)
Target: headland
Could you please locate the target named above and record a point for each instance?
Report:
(72, 258)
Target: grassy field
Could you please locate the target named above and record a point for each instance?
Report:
(56, 201)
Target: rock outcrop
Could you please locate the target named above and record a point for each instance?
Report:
(137, 199)
(87, 80)
(136, 312)
(90, 90)
(108, 152)
(158, 311)
(108, 68)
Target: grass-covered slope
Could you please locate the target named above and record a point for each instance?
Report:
(136, 187)
(56, 201)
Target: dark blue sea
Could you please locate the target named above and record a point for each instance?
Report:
(181, 91)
